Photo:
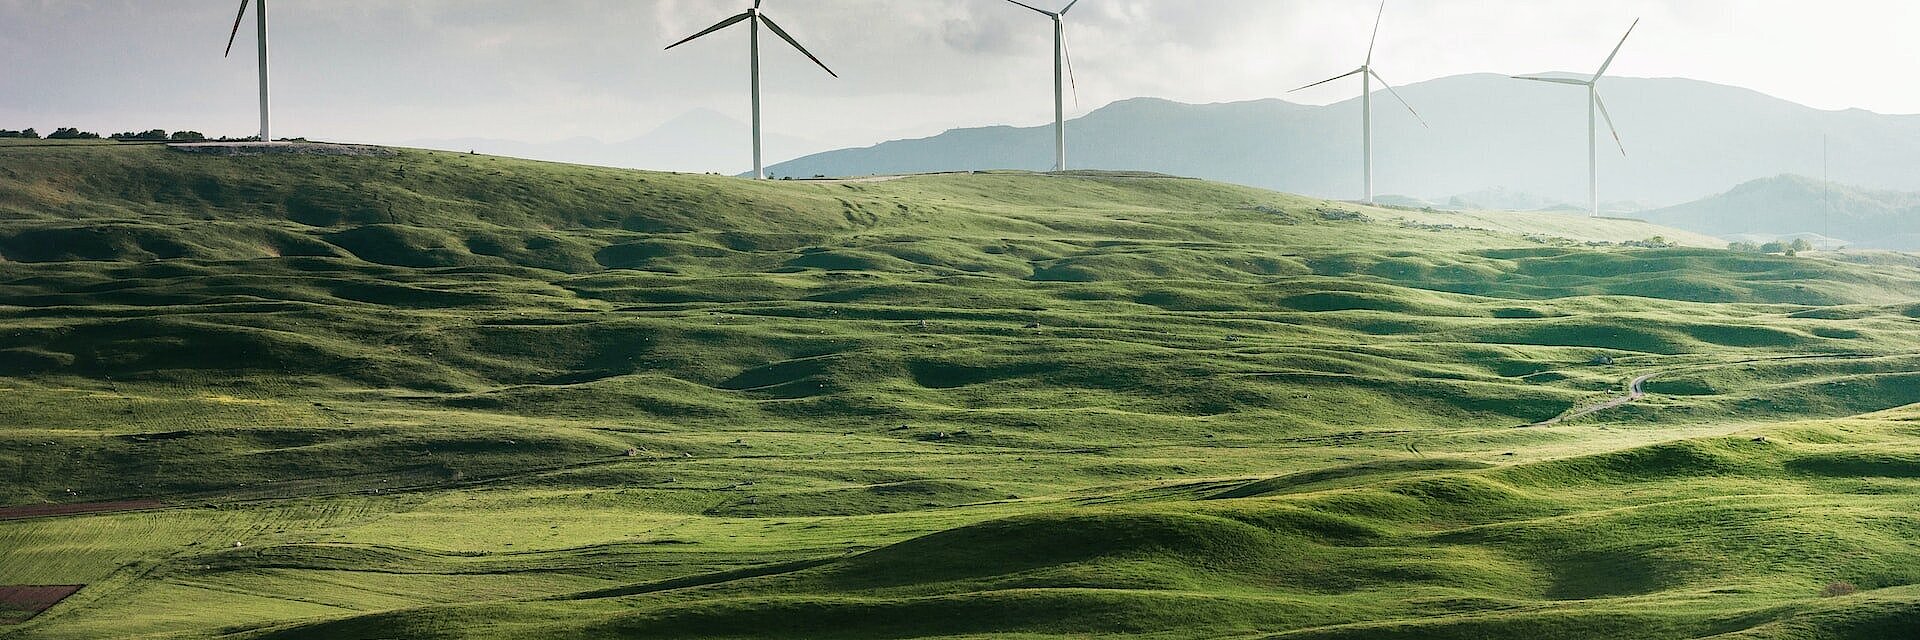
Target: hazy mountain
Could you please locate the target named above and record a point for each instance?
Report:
(698, 141)
(1789, 206)
(1686, 139)
(1501, 198)
(1818, 241)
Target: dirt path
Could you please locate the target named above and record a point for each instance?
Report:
(886, 178)
(20, 603)
(1636, 389)
(852, 180)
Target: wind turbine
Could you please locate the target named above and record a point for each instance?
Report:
(1593, 102)
(753, 17)
(260, 21)
(1060, 57)
(1367, 76)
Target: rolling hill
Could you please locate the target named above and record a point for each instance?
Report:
(1685, 140)
(694, 141)
(1786, 205)
(401, 393)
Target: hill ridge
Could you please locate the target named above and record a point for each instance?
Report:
(1487, 130)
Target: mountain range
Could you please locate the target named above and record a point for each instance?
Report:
(1684, 140)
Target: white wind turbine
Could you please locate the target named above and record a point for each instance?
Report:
(1062, 73)
(754, 18)
(1367, 76)
(260, 20)
(1593, 102)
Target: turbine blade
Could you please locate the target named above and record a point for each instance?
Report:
(1376, 31)
(796, 44)
(1616, 50)
(236, 28)
(1069, 7)
(1396, 96)
(1068, 53)
(1609, 117)
(716, 27)
(1338, 77)
(1553, 80)
(1036, 9)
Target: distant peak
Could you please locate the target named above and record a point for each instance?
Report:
(701, 117)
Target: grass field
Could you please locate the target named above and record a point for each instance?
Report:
(435, 395)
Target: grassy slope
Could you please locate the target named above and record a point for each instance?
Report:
(1004, 404)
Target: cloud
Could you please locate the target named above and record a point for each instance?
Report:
(383, 70)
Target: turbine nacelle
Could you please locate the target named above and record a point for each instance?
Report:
(1061, 55)
(1593, 85)
(754, 18)
(755, 14)
(1594, 103)
(1367, 76)
(1056, 15)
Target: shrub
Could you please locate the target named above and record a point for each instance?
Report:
(23, 133)
(71, 133)
(150, 134)
(1839, 588)
(188, 136)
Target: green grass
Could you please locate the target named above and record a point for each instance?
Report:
(443, 395)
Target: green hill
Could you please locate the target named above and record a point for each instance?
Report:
(1785, 206)
(402, 393)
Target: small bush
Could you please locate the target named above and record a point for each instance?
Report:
(1839, 588)
(71, 133)
(151, 134)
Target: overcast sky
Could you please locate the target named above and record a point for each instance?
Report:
(537, 70)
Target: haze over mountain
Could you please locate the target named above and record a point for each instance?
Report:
(1685, 139)
(1789, 205)
(698, 141)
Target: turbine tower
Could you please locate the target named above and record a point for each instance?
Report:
(1594, 102)
(753, 17)
(1367, 76)
(1062, 73)
(260, 23)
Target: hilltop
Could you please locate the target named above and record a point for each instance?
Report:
(694, 141)
(1785, 205)
(429, 394)
(1685, 139)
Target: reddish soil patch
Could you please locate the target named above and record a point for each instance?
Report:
(22, 603)
(45, 510)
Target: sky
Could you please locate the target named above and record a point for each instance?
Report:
(393, 71)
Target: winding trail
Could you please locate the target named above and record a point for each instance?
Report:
(879, 178)
(1636, 389)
